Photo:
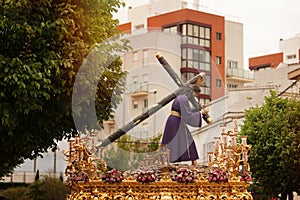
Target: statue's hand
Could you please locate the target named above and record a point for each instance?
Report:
(204, 111)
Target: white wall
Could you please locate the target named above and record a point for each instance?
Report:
(234, 43)
(167, 45)
(278, 76)
(138, 15)
(290, 47)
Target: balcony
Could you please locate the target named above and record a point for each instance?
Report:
(239, 75)
(138, 89)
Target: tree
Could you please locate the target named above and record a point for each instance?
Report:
(126, 156)
(274, 132)
(154, 143)
(43, 46)
(130, 152)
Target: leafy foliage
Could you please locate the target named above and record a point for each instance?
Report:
(121, 158)
(130, 153)
(15, 193)
(274, 132)
(43, 46)
(48, 188)
(154, 143)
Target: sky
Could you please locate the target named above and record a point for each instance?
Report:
(265, 22)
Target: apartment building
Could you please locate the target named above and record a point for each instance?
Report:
(192, 41)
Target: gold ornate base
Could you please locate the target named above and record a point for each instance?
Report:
(162, 190)
(228, 178)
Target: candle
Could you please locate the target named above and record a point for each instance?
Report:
(233, 141)
(210, 156)
(217, 141)
(245, 156)
(76, 139)
(224, 138)
(235, 124)
(223, 128)
(70, 149)
(244, 140)
(228, 153)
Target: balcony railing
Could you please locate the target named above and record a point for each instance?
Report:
(138, 89)
(239, 73)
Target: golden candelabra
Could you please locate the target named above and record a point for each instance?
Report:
(89, 178)
(231, 153)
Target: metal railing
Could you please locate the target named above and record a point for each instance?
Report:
(240, 73)
(29, 177)
(138, 87)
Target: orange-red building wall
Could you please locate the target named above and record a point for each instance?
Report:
(272, 60)
(217, 24)
(125, 28)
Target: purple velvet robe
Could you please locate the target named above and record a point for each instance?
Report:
(176, 135)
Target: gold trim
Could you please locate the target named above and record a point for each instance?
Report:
(175, 113)
(84, 175)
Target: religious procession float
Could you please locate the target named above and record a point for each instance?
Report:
(226, 176)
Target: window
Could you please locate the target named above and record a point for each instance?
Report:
(231, 86)
(135, 56)
(204, 89)
(232, 64)
(195, 58)
(291, 56)
(187, 76)
(195, 34)
(218, 83)
(135, 104)
(145, 103)
(145, 78)
(196, 52)
(203, 101)
(135, 79)
(145, 57)
(218, 60)
(172, 29)
(140, 26)
(183, 29)
(218, 36)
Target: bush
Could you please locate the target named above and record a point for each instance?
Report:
(46, 189)
(15, 193)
